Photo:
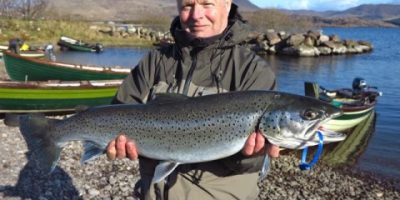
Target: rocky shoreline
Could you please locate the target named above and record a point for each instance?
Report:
(309, 44)
(103, 179)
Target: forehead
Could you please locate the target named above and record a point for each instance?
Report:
(198, 1)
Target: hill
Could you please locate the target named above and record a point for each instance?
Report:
(119, 10)
(371, 12)
(365, 11)
(363, 15)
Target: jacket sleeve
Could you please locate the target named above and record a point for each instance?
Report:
(136, 87)
(254, 74)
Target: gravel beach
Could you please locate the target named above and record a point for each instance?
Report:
(103, 179)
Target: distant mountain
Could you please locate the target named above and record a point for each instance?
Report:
(371, 11)
(365, 11)
(119, 9)
(245, 5)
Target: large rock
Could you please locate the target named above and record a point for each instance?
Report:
(301, 50)
(334, 38)
(295, 40)
(324, 50)
(273, 38)
(339, 49)
(323, 38)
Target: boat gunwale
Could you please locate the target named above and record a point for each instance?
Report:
(111, 70)
(56, 84)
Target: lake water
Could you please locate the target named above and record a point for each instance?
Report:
(380, 68)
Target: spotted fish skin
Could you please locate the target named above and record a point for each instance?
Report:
(182, 129)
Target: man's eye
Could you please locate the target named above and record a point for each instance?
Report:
(186, 7)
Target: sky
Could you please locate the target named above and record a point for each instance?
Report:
(318, 5)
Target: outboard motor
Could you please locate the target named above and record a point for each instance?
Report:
(50, 52)
(359, 84)
(15, 44)
(98, 47)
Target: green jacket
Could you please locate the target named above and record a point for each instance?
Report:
(197, 67)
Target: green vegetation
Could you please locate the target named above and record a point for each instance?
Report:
(49, 31)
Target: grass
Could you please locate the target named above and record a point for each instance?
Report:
(49, 31)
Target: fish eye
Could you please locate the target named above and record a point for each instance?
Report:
(310, 114)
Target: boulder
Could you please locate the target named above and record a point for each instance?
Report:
(302, 50)
(334, 38)
(295, 40)
(324, 50)
(273, 38)
(310, 41)
(323, 38)
(339, 49)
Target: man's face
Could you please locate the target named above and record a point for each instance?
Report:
(204, 18)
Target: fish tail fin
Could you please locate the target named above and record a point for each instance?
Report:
(35, 128)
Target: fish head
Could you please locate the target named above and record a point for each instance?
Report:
(292, 122)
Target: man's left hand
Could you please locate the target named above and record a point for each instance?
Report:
(255, 145)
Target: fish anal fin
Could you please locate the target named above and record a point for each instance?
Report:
(91, 151)
(163, 169)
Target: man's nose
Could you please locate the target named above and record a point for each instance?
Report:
(197, 12)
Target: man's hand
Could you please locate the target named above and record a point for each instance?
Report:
(122, 147)
(255, 145)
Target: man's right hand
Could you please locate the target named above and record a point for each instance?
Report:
(122, 147)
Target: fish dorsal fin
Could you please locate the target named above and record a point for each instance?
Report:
(91, 151)
(162, 170)
(164, 98)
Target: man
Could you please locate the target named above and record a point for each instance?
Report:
(206, 58)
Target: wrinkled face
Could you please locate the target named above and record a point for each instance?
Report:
(204, 18)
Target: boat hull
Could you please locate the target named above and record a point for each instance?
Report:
(46, 97)
(348, 120)
(21, 68)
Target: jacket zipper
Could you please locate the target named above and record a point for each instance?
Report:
(190, 74)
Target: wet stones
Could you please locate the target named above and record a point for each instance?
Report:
(309, 44)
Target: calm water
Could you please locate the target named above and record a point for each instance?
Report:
(380, 68)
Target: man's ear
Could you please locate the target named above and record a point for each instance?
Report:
(228, 5)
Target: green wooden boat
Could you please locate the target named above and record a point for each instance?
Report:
(21, 68)
(78, 45)
(357, 103)
(54, 96)
(348, 151)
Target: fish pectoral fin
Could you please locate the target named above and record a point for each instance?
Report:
(162, 170)
(91, 151)
(265, 168)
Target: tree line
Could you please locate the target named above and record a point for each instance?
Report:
(26, 9)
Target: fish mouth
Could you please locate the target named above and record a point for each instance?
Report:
(310, 131)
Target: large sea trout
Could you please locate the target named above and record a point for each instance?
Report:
(179, 130)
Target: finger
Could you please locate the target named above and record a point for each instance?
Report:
(131, 151)
(273, 150)
(111, 151)
(248, 148)
(260, 144)
(120, 146)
